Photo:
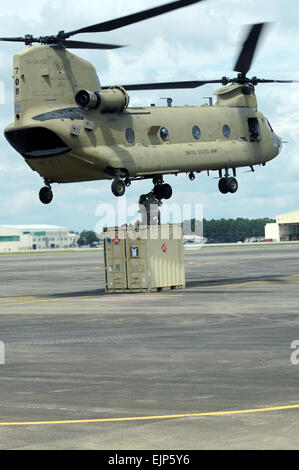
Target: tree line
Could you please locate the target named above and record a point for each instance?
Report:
(231, 230)
(215, 230)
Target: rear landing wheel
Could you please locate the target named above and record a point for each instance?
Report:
(232, 185)
(228, 185)
(46, 195)
(222, 185)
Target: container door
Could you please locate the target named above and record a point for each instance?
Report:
(115, 260)
(137, 269)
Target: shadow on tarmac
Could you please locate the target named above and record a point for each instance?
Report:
(189, 285)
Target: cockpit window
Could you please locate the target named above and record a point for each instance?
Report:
(254, 130)
(269, 127)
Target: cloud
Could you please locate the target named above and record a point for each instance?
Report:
(19, 203)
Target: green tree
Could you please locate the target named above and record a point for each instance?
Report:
(87, 237)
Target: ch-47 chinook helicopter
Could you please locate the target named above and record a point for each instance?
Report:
(70, 129)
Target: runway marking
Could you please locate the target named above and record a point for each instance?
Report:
(148, 418)
(9, 299)
(12, 302)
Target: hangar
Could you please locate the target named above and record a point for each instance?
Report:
(35, 237)
(286, 227)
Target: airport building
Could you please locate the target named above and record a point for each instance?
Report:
(35, 237)
(286, 228)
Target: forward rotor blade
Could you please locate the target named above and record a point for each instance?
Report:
(169, 85)
(88, 45)
(245, 58)
(130, 19)
(264, 80)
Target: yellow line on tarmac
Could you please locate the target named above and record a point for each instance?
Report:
(88, 298)
(32, 301)
(147, 418)
(12, 299)
(144, 297)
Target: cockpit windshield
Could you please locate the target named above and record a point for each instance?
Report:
(269, 127)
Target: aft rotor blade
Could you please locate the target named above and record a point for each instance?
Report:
(13, 39)
(131, 19)
(27, 39)
(245, 58)
(88, 45)
(169, 85)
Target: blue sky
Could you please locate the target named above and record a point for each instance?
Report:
(198, 42)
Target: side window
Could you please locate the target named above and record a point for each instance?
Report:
(196, 132)
(130, 136)
(226, 131)
(164, 134)
(254, 130)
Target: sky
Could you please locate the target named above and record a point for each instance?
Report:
(197, 42)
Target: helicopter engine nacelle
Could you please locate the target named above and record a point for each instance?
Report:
(109, 100)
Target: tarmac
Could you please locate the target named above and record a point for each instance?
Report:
(212, 366)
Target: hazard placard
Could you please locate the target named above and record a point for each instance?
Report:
(116, 240)
(164, 248)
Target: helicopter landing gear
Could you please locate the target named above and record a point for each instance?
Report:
(46, 194)
(149, 204)
(228, 185)
(127, 182)
(118, 187)
(161, 190)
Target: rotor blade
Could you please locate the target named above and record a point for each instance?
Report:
(130, 19)
(88, 45)
(27, 39)
(245, 58)
(169, 85)
(13, 39)
(264, 80)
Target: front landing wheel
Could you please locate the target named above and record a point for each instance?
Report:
(118, 187)
(46, 195)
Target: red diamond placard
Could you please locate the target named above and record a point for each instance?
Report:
(116, 240)
(164, 247)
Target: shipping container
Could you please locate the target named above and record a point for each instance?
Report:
(144, 258)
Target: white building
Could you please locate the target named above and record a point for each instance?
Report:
(35, 237)
(286, 227)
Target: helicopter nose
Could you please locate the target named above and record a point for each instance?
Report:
(277, 141)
